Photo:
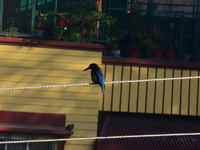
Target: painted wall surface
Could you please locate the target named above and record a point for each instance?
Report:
(178, 97)
(32, 66)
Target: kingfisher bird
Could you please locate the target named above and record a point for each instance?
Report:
(97, 76)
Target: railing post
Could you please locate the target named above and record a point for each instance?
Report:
(1, 14)
(27, 146)
(170, 11)
(151, 12)
(109, 8)
(33, 17)
(181, 35)
(56, 9)
(195, 32)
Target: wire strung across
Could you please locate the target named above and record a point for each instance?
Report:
(101, 138)
(85, 84)
(98, 138)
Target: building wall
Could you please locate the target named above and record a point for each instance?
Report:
(178, 97)
(32, 66)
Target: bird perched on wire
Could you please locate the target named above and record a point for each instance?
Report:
(97, 76)
(69, 127)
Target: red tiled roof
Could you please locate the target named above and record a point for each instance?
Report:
(117, 124)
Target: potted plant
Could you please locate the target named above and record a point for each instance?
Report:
(40, 19)
(186, 54)
(80, 24)
(197, 55)
(113, 44)
(142, 34)
(170, 42)
(12, 29)
(149, 39)
(154, 39)
(76, 26)
(137, 23)
(134, 50)
(115, 51)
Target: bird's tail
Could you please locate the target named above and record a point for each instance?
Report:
(102, 88)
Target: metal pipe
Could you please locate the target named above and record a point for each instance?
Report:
(195, 33)
(108, 15)
(1, 14)
(170, 6)
(33, 17)
(181, 36)
(56, 9)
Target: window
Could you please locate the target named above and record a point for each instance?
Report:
(49, 1)
(23, 5)
(30, 3)
(40, 2)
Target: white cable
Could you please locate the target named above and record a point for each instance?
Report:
(43, 86)
(148, 80)
(84, 84)
(101, 138)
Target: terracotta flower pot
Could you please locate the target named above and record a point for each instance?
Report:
(197, 57)
(133, 52)
(156, 54)
(168, 54)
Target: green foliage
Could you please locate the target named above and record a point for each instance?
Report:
(142, 34)
(170, 40)
(186, 46)
(11, 29)
(171, 29)
(83, 20)
(40, 18)
(115, 36)
(115, 46)
(198, 46)
(148, 39)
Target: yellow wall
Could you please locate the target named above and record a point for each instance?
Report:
(179, 97)
(31, 66)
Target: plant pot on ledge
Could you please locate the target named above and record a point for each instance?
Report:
(185, 56)
(40, 19)
(38, 33)
(133, 52)
(156, 54)
(115, 52)
(168, 54)
(197, 57)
